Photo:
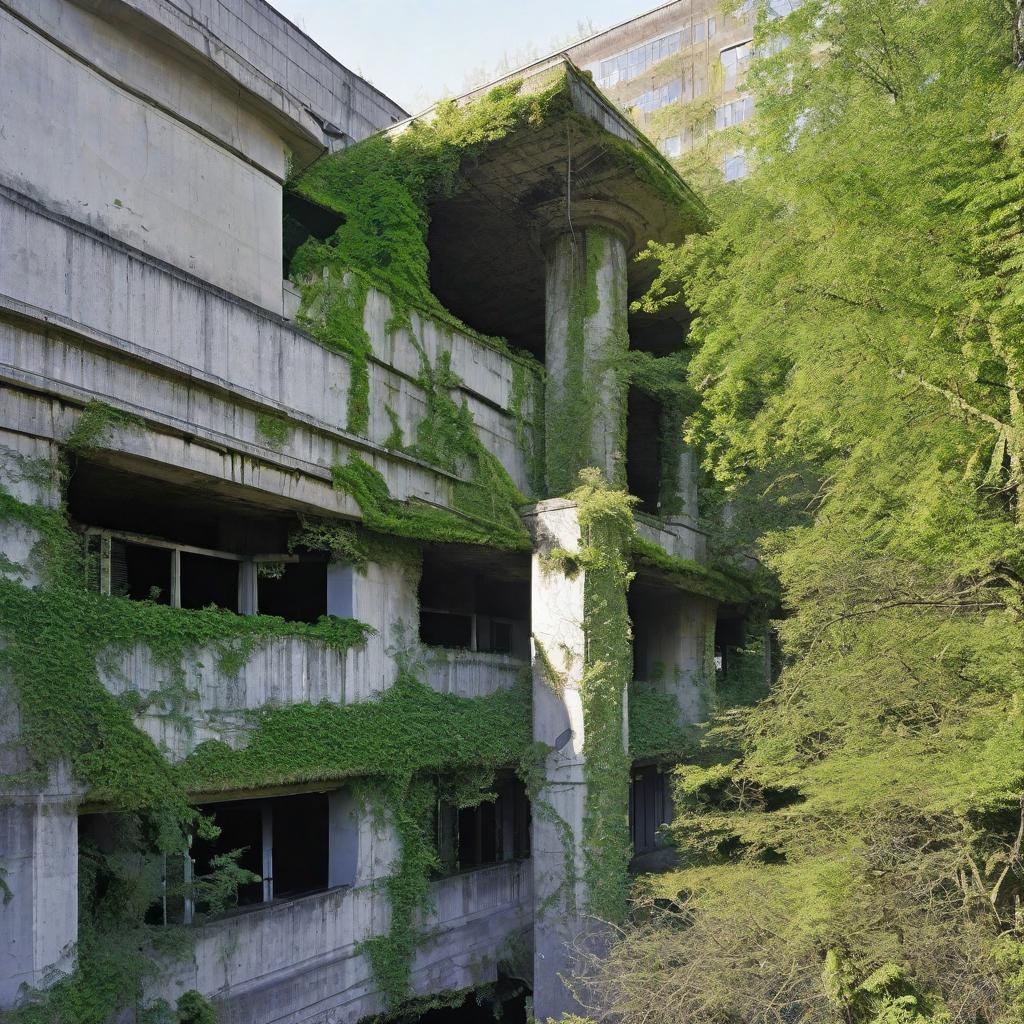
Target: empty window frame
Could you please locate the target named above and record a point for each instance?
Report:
(296, 590)
(285, 840)
(462, 609)
(490, 833)
(734, 165)
(150, 569)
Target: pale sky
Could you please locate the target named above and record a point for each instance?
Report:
(417, 51)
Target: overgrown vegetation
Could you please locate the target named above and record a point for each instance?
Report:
(55, 636)
(852, 843)
(384, 186)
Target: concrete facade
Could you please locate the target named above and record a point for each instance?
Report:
(143, 270)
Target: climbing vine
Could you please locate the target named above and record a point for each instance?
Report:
(606, 527)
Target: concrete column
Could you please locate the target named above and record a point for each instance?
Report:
(586, 307)
(39, 915)
(563, 651)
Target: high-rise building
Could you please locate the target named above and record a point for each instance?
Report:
(679, 70)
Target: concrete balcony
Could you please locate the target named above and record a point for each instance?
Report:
(317, 973)
(202, 702)
(472, 673)
(676, 538)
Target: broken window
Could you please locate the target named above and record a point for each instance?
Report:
(286, 841)
(489, 833)
(650, 807)
(475, 607)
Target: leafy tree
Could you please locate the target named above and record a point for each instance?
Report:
(852, 845)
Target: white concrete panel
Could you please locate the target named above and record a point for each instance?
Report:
(94, 152)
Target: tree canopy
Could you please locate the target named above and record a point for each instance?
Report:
(851, 844)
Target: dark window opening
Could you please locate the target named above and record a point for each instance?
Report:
(304, 219)
(650, 807)
(206, 580)
(241, 828)
(647, 608)
(284, 840)
(296, 591)
(472, 606)
(141, 573)
(477, 832)
(443, 629)
(300, 842)
(148, 539)
(489, 833)
(730, 633)
(644, 450)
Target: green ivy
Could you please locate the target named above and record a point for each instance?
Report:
(655, 732)
(400, 742)
(384, 185)
(275, 430)
(95, 424)
(727, 583)
(606, 528)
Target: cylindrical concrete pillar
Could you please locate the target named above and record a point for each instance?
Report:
(586, 334)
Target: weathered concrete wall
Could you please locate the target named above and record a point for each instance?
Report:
(261, 48)
(171, 128)
(677, 628)
(39, 850)
(198, 361)
(471, 673)
(137, 172)
(560, 807)
(678, 538)
(317, 973)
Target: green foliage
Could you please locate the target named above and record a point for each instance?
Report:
(384, 186)
(529, 434)
(406, 731)
(398, 744)
(333, 309)
(727, 583)
(570, 402)
(273, 429)
(606, 529)
(193, 1008)
(54, 636)
(850, 843)
(654, 729)
(95, 425)
(420, 521)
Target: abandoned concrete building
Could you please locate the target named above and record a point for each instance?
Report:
(340, 669)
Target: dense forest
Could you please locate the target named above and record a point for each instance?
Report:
(850, 843)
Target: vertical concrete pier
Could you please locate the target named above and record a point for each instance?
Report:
(586, 308)
(565, 658)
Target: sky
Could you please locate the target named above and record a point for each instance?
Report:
(417, 51)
